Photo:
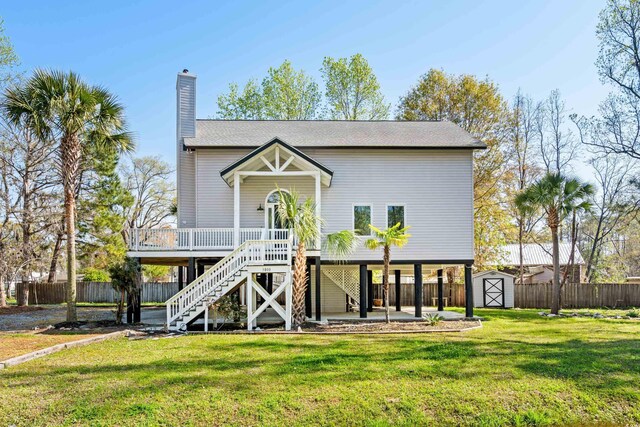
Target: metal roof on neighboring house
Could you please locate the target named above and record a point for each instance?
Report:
(538, 254)
(332, 133)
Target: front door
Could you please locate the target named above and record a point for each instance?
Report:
(272, 217)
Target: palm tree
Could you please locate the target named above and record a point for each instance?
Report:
(558, 196)
(302, 220)
(385, 239)
(81, 118)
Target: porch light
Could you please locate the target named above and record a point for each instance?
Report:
(260, 208)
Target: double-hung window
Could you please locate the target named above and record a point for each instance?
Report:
(361, 220)
(396, 214)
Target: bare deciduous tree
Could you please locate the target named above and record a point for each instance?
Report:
(524, 119)
(37, 188)
(149, 180)
(558, 146)
(8, 204)
(615, 205)
(618, 63)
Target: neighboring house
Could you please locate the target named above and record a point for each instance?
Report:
(357, 172)
(538, 262)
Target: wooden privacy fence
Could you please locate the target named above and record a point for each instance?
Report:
(54, 293)
(579, 295)
(454, 294)
(537, 295)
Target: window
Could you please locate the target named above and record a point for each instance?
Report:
(272, 217)
(361, 220)
(395, 214)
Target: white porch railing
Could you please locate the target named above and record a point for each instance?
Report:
(197, 239)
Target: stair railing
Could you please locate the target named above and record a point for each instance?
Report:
(251, 252)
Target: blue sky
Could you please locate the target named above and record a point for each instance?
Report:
(135, 48)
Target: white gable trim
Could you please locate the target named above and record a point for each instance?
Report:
(280, 159)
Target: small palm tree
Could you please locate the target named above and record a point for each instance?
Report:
(82, 119)
(558, 196)
(302, 220)
(385, 239)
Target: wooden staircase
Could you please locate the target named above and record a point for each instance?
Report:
(226, 276)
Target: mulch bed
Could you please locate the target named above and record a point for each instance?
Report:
(345, 327)
(14, 309)
(373, 327)
(96, 324)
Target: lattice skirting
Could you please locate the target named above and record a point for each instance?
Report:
(346, 278)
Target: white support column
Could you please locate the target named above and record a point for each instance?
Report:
(206, 318)
(318, 207)
(254, 303)
(249, 298)
(236, 210)
(288, 302)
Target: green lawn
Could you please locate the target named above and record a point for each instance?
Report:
(520, 369)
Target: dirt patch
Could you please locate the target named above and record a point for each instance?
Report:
(14, 309)
(12, 345)
(44, 316)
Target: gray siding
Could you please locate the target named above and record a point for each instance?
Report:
(332, 298)
(436, 187)
(186, 127)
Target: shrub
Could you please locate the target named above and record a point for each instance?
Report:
(125, 279)
(92, 274)
(228, 308)
(156, 273)
(432, 319)
(633, 313)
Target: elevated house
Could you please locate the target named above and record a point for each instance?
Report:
(229, 237)
(538, 262)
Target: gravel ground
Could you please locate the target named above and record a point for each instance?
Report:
(49, 315)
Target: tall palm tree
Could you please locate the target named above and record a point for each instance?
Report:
(302, 220)
(385, 239)
(81, 118)
(558, 196)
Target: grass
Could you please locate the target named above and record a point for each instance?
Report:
(520, 369)
(17, 344)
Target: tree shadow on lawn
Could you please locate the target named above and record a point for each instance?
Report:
(612, 366)
(254, 368)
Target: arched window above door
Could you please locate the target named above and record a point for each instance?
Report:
(274, 196)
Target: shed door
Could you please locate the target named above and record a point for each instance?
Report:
(493, 292)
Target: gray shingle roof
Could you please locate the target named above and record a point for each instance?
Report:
(538, 254)
(332, 133)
